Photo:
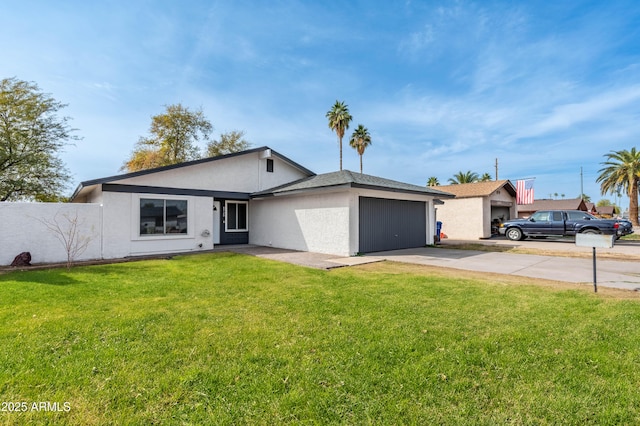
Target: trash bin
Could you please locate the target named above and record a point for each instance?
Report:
(438, 230)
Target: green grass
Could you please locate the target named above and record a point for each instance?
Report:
(631, 237)
(232, 339)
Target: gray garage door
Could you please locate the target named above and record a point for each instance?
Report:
(391, 224)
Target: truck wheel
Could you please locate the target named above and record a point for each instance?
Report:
(590, 231)
(514, 234)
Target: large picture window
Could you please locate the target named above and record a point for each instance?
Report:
(162, 217)
(236, 216)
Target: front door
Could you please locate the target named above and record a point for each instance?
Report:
(217, 209)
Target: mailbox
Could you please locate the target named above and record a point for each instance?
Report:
(595, 240)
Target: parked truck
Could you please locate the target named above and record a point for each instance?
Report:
(561, 223)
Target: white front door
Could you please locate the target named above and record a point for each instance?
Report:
(217, 210)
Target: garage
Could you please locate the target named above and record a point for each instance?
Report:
(386, 224)
(471, 215)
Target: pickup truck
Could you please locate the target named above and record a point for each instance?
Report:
(562, 223)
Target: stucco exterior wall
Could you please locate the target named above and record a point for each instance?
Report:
(462, 218)
(325, 222)
(23, 228)
(121, 227)
(486, 218)
(244, 173)
(317, 223)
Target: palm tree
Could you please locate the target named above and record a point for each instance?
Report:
(460, 177)
(622, 171)
(584, 197)
(360, 140)
(339, 119)
(485, 177)
(433, 181)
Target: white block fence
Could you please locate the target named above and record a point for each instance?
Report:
(26, 227)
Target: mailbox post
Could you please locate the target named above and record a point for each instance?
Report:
(593, 241)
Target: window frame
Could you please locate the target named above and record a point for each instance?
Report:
(227, 203)
(270, 165)
(137, 211)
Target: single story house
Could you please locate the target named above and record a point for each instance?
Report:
(526, 210)
(477, 205)
(605, 211)
(258, 197)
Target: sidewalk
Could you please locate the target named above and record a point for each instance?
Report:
(610, 273)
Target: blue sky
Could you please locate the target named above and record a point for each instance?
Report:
(442, 86)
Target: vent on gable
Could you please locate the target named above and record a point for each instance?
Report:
(265, 154)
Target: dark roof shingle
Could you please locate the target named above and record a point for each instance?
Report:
(351, 179)
(547, 204)
(478, 189)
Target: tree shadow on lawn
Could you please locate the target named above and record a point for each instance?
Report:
(58, 277)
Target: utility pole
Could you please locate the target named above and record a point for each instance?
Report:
(496, 169)
(581, 185)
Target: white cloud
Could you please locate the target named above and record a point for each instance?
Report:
(597, 107)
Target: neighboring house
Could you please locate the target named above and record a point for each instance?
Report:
(477, 205)
(259, 197)
(606, 211)
(526, 210)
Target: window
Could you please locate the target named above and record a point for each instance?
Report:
(269, 165)
(540, 217)
(577, 215)
(162, 217)
(236, 216)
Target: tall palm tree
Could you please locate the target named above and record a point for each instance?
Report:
(622, 171)
(485, 177)
(460, 177)
(360, 140)
(433, 181)
(339, 119)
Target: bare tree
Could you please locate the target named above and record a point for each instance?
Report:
(68, 230)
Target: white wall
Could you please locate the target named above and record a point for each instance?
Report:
(462, 218)
(23, 228)
(122, 226)
(317, 223)
(243, 173)
(113, 230)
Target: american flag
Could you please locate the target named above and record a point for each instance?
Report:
(524, 191)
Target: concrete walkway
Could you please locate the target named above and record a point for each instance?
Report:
(610, 273)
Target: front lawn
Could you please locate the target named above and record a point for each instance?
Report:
(232, 339)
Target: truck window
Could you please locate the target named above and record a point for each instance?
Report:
(557, 217)
(578, 215)
(540, 216)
